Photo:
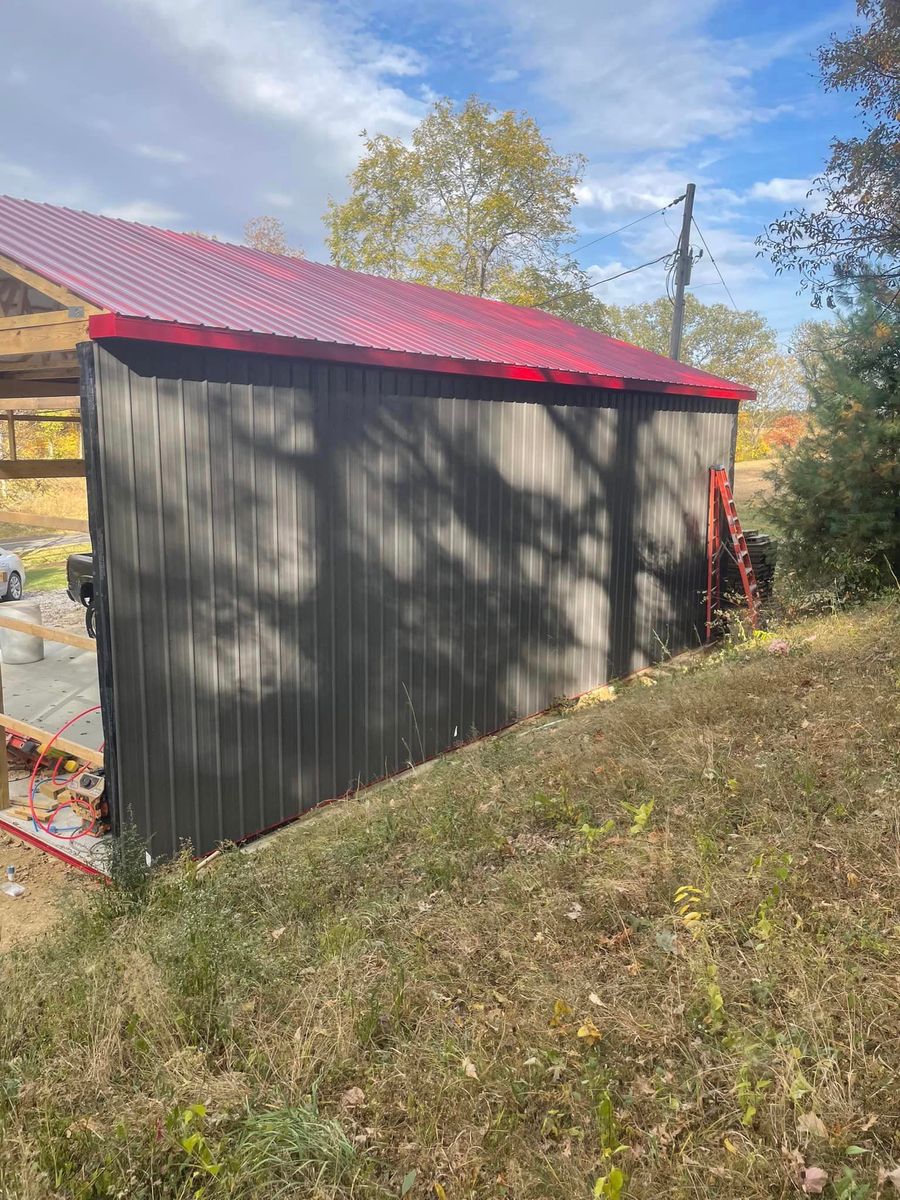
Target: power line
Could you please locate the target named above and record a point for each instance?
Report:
(573, 291)
(612, 233)
(716, 265)
(630, 271)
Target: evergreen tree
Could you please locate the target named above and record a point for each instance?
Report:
(836, 496)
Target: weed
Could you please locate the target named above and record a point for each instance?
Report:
(640, 814)
(128, 867)
(559, 811)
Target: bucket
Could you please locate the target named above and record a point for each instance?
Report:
(21, 647)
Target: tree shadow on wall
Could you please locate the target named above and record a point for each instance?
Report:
(364, 568)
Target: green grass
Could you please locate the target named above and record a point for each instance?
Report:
(45, 569)
(488, 981)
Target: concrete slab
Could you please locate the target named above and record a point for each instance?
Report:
(51, 692)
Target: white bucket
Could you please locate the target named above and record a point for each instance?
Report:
(21, 647)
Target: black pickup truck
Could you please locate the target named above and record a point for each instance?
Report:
(80, 577)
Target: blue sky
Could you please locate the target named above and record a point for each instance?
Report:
(198, 114)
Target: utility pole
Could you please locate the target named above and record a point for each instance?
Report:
(683, 263)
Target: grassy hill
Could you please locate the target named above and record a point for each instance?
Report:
(645, 947)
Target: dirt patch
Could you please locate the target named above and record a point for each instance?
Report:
(49, 888)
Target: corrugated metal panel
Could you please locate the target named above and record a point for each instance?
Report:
(317, 574)
(137, 271)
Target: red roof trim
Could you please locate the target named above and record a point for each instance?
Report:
(111, 325)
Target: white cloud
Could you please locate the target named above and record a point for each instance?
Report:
(144, 211)
(785, 191)
(642, 76)
(308, 67)
(160, 153)
(278, 199)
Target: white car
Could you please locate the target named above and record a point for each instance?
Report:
(12, 576)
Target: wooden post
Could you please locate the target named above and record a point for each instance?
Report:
(11, 434)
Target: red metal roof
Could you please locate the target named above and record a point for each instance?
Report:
(179, 287)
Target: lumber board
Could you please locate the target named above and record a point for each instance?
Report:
(43, 521)
(92, 757)
(39, 339)
(27, 320)
(80, 640)
(60, 390)
(43, 468)
(46, 287)
(35, 417)
(23, 404)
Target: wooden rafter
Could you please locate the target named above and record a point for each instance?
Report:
(46, 287)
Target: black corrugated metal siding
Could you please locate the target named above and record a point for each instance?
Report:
(317, 574)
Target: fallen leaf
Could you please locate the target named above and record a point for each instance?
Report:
(590, 1033)
(353, 1097)
(730, 1146)
(407, 1185)
(812, 1124)
(276, 933)
(574, 913)
(892, 1177)
(595, 999)
(613, 941)
(813, 1181)
(469, 1068)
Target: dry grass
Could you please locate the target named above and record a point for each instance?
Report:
(478, 982)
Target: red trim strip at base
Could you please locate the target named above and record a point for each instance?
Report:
(110, 325)
(68, 859)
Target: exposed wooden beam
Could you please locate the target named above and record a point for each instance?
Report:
(43, 468)
(25, 320)
(55, 291)
(10, 388)
(23, 372)
(42, 521)
(79, 640)
(93, 757)
(19, 404)
(15, 415)
(39, 339)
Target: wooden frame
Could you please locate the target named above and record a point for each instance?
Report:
(37, 350)
(24, 335)
(80, 640)
(42, 521)
(48, 404)
(27, 393)
(55, 291)
(42, 468)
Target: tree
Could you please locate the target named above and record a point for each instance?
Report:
(854, 230)
(736, 345)
(270, 235)
(836, 497)
(479, 202)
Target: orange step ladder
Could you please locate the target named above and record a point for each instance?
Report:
(721, 500)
